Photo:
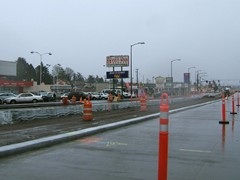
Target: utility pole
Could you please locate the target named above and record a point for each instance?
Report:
(137, 77)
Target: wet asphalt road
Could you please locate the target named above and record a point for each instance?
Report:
(199, 148)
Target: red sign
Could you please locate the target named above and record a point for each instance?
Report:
(117, 61)
(4, 82)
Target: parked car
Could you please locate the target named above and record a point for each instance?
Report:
(88, 95)
(3, 96)
(134, 95)
(78, 95)
(23, 98)
(94, 95)
(64, 95)
(104, 95)
(126, 95)
(48, 96)
(114, 92)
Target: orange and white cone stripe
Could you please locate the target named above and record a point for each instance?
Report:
(163, 138)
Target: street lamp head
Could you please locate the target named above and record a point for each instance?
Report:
(137, 43)
(175, 60)
(50, 54)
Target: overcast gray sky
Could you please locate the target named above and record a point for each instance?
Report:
(81, 33)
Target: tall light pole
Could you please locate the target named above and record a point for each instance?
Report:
(197, 78)
(189, 78)
(131, 61)
(137, 78)
(59, 66)
(172, 75)
(41, 55)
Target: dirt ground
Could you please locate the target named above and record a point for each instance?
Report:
(34, 129)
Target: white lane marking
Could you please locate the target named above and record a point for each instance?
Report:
(195, 150)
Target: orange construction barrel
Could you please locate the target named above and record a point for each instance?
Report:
(143, 104)
(65, 101)
(87, 111)
(74, 99)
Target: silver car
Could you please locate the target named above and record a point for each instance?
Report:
(3, 96)
(23, 98)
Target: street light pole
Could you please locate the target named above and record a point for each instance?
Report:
(41, 55)
(137, 78)
(189, 78)
(131, 62)
(59, 66)
(172, 75)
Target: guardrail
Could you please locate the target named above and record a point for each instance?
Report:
(35, 111)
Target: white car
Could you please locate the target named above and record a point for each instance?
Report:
(4, 96)
(23, 98)
(126, 95)
(104, 96)
(94, 95)
(65, 95)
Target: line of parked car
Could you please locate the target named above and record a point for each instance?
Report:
(103, 95)
(11, 98)
(86, 95)
(43, 96)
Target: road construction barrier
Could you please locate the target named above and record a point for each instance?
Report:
(143, 104)
(223, 111)
(73, 99)
(87, 111)
(110, 97)
(233, 107)
(65, 101)
(163, 138)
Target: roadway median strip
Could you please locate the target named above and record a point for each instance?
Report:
(56, 139)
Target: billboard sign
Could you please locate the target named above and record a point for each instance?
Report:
(117, 74)
(187, 78)
(117, 61)
(8, 68)
(169, 81)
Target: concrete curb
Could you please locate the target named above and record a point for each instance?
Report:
(52, 140)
